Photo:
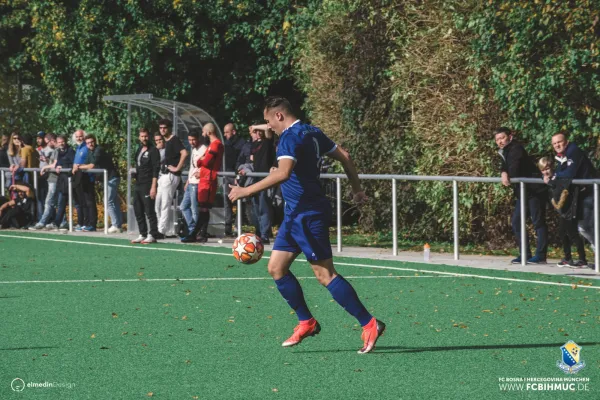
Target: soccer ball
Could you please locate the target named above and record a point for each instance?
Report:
(248, 248)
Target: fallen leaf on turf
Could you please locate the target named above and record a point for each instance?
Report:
(184, 317)
(93, 336)
(275, 390)
(115, 315)
(150, 394)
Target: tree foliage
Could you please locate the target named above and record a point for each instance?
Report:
(544, 63)
(408, 87)
(223, 56)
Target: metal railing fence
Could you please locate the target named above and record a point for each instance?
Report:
(455, 204)
(36, 171)
(394, 180)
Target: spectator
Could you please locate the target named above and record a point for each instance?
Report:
(86, 191)
(245, 156)
(169, 178)
(81, 151)
(48, 156)
(563, 197)
(64, 159)
(233, 147)
(20, 212)
(30, 158)
(573, 163)
(517, 164)
(147, 161)
(263, 157)
(98, 158)
(189, 204)
(4, 162)
(39, 141)
(209, 164)
(159, 140)
(14, 157)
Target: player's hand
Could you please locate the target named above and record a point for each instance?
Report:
(153, 192)
(359, 197)
(172, 169)
(505, 179)
(237, 192)
(197, 174)
(546, 179)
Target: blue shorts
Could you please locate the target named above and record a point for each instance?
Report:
(307, 233)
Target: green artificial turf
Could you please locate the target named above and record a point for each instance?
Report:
(125, 322)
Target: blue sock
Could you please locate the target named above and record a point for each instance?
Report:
(345, 295)
(290, 289)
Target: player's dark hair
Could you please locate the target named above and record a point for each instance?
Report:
(145, 130)
(27, 140)
(564, 133)
(166, 122)
(91, 136)
(279, 102)
(51, 136)
(195, 133)
(503, 129)
(63, 137)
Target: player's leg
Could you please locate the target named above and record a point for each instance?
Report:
(312, 235)
(285, 251)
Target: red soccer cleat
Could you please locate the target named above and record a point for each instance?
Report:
(304, 329)
(371, 332)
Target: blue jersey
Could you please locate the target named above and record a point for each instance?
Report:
(81, 154)
(306, 145)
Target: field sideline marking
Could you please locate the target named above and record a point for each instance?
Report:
(262, 278)
(142, 247)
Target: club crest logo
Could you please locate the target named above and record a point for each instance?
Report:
(571, 362)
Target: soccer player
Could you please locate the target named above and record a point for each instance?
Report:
(209, 165)
(305, 227)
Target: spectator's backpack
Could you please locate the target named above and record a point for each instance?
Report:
(564, 198)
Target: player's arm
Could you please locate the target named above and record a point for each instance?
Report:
(22, 188)
(281, 174)
(350, 169)
(263, 127)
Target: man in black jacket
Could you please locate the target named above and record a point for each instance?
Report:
(147, 162)
(517, 164)
(233, 146)
(573, 163)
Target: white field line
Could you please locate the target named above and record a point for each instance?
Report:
(143, 247)
(213, 279)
